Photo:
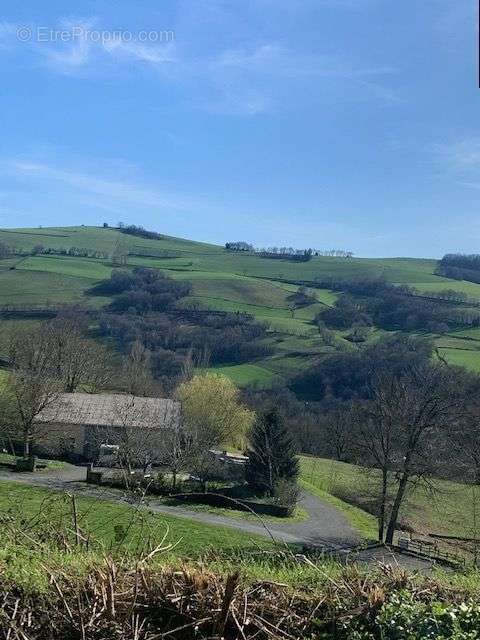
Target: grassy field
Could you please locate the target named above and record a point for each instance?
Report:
(114, 524)
(449, 510)
(225, 281)
(243, 374)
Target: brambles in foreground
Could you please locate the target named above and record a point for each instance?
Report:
(59, 578)
(138, 598)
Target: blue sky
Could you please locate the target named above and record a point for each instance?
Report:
(328, 123)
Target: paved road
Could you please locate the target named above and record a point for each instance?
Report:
(325, 528)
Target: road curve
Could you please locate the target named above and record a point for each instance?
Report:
(325, 526)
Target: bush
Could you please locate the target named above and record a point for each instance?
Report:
(286, 494)
(405, 618)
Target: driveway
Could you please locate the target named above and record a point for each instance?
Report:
(325, 528)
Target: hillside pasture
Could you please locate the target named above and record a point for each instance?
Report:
(68, 266)
(248, 374)
(40, 287)
(468, 358)
(471, 289)
(449, 510)
(224, 281)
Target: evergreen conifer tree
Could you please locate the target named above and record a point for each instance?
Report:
(271, 453)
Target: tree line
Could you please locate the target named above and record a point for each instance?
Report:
(286, 252)
(460, 266)
(7, 251)
(139, 232)
(375, 302)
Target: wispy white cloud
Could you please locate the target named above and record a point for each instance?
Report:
(460, 155)
(83, 46)
(274, 59)
(8, 32)
(105, 192)
(155, 55)
(253, 80)
(246, 80)
(69, 56)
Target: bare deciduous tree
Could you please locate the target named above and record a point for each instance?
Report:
(337, 428)
(403, 430)
(60, 350)
(133, 431)
(376, 431)
(26, 395)
(137, 370)
(76, 360)
(31, 387)
(177, 452)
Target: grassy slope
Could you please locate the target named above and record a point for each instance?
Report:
(107, 521)
(221, 280)
(448, 510)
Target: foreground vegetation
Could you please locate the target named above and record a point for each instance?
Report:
(114, 525)
(61, 576)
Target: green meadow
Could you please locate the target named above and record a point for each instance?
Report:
(224, 281)
(112, 524)
(446, 508)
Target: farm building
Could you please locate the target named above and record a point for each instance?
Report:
(76, 424)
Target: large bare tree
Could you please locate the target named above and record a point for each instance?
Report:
(177, 451)
(30, 388)
(77, 361)
(375, 438)
(138, 438)
(59, 349)
(45, 361)
(403, 429)
(29, 395)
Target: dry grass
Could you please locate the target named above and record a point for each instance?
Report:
(140, 602)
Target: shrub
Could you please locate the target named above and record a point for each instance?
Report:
(286, 493)
(403, 617)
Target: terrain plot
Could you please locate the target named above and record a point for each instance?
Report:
(223, 280)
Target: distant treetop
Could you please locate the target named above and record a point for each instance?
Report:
(287, 252)
(134, 230)
(460, 266)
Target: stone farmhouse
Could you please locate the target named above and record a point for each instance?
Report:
(77, 424)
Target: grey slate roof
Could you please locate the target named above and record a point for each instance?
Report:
(111, 410)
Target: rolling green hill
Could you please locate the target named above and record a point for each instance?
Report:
(221, 280)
